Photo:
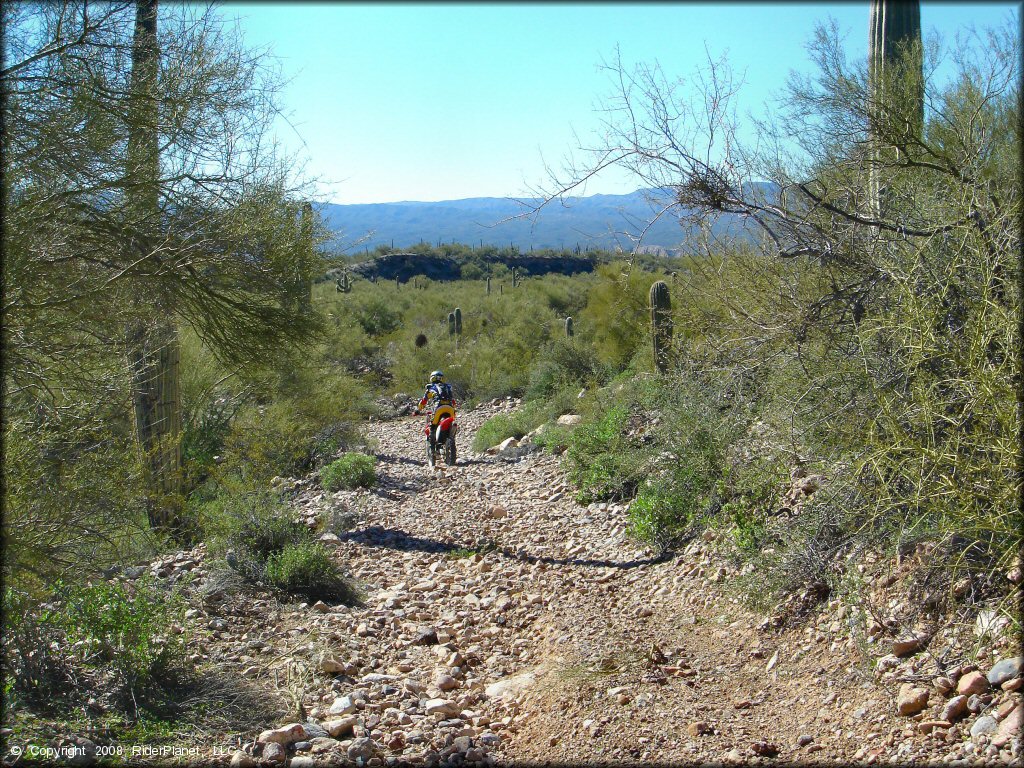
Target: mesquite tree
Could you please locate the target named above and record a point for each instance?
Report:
(113, 243)
(896, 322)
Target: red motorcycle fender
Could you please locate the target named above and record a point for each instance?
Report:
(446, 423)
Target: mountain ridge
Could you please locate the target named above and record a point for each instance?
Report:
(604, 221)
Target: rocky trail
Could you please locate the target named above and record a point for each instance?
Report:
(504, 623)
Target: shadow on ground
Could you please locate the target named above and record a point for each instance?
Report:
(395, 538)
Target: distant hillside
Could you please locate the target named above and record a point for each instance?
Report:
(405, 266)
(597, 221)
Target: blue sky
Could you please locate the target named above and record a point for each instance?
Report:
(431, 101)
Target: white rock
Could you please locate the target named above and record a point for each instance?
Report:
(441, 707)
(343, 705)
(286, 734)
(340, 726)
(984, 725)
(510, 686)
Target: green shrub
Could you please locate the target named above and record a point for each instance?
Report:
(122, 630)
(499, 428)
(35, 656)
(565, 363)
(352, 470)
(269, 548)
(126, 626)
(302, 567)
(554, 438)
(681, 495)
(658, 515)
(600, 460)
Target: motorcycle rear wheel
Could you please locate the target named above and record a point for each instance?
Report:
(449, 451)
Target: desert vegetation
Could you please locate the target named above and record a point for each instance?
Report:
(180, 351)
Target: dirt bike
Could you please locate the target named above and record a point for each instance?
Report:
(440, 434)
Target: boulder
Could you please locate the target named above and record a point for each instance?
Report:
(971, 683)
(955, 709)
(510, 686)
(911, 699)
(340, 726)
(908, 645)
(984, 726)
(286, 734)
(441, 707)
(698, 728)
(362, 748)
(343, 705)
(274, 753)
(1006, 669)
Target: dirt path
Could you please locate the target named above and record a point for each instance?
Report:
(506, 623)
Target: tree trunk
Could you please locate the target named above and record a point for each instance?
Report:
(153, 351)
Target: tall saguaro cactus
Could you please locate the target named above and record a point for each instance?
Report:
(488, 286)
(895, 84)
(153, 348)
(304, 263)
(451, 323)
(515, 277)
(458, 321)
(661, 324)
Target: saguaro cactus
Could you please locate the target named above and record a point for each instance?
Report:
(458, 321)
(306, 258)
(515, 277)
(488, 286)
(451, 323)
(398, 282)
(895, 82)
(153, 347)
(568, 327)
(661, 324)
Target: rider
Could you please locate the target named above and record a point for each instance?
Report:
(437, 394)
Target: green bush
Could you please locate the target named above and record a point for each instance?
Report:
(352, 470)
(499, 428)
(302, 567)
(565, 363)
(554, 438)
(269, 548)
(600, 460)
(122, 630)
(658, 515)
(127, 626)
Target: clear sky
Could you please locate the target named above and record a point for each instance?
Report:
(432, 101)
